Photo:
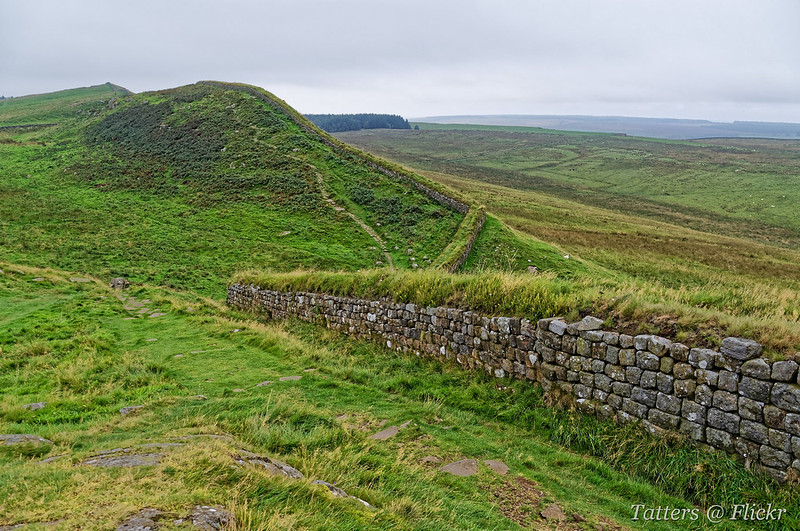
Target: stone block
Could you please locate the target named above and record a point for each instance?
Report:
(740, 349)
(622, 389)
(590, 323)
(644, 396)
(633, 375)
(602, 382)
(616, 372)
(582, 391)
(658, 345)
(663, 420)
(614, 401)
(583, 347)
(664, 382)
(784, 371)
(627, 356)
(640, 341)
(725, 401)
(557, 326)
(702, 358)
(667, 364)
(754, 431)
(668, 403)
(568, 344)
(786, 396)
(774, 417)
(683, 371)
(684, 388)
(728, 381)
(625, 341)
(705, 376)
(751, 409)
(775, 458)
(792, 423)
(648, 380)
(612, 355)
(679, 352)
(595, 336)
(780, 440)
(692, 430)
(758, 390)
(634, 408)
(719, 439)
(693, 412)
(611, 338)
(722, 420)
(599, 395)
(757, 368)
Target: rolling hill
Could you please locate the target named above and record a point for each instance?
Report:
(185, 186)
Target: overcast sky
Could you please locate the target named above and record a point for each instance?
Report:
(714, 59)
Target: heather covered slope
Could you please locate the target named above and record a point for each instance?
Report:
(185, 186)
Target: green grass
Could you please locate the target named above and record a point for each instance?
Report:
(643, 266)
(182, 187)
(69, 345)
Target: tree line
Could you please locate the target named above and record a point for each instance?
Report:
(334, 123)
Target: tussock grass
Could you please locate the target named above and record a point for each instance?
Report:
(301, 423)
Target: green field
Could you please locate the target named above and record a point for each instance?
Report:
(692, 273)
(184, 190)
(195, 369)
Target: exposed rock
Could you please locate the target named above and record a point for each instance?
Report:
(264, 383)
(289, 378)
(35, 406)
(13, 439)
(497, 466)
(465, 467)
(127, 410)
(273, 466)
(554, 512)
(120, 283)
(340, 493)
(144, 520)
(125, 460)
(430, 459)
(382, 435)
(211, 517)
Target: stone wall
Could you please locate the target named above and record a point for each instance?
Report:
(731, 399)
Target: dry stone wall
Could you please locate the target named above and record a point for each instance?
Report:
(731, 399)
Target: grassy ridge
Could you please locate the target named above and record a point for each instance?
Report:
(69, 344)
(183, 186)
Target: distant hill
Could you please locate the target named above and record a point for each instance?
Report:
(336, 123)
(646, 127)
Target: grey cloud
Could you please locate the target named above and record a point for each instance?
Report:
(419, 57)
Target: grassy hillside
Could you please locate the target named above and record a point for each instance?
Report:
(184, 186)
(194, 367)
(735, 187)
(639, 263)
